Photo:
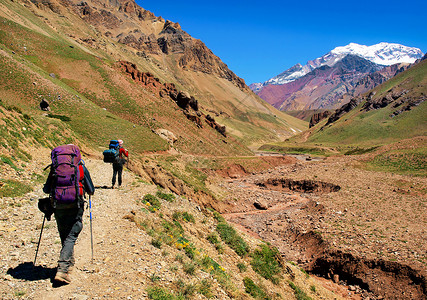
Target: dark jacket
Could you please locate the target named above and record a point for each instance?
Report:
(88, 187)
(123, 153)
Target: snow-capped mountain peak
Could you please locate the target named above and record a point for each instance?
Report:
(384, 54)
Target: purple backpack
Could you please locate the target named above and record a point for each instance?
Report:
(68, 174)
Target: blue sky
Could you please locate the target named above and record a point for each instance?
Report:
(260, 39)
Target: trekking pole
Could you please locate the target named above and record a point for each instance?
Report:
(91, 235)
(38, 244)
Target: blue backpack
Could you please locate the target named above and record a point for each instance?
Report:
(112, 154)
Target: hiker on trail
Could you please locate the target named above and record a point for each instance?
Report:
(67, 183)
(118, 165)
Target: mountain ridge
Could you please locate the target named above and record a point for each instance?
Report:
(384, 54)
(355, 71)
(162, 49)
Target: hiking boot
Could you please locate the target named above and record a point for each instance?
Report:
(112, 187)
(71, 266)
(62, 277)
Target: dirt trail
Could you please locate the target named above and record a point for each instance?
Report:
(119, 247)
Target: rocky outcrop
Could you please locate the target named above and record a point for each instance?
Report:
(52, 5)
(402, 99)
(127, 23)
(317, 117)
(343, 109)
(396, 98)
(211, 122)
(194, 118)
(390, 97)
(183, 99)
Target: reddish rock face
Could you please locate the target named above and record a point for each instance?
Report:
(184, 100)
(317, 117)
(329, 87)
(127, 23)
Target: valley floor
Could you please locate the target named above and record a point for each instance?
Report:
(374, 217)
(125, 261)
(373, 228)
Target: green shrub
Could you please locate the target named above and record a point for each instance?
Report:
(164, 196)
(187, 217)
(13, 188)
(213, 238)
(188, 291)
(14, 108)
(242, 267)
(265, 263)
(190, 251)
(299, 294)
(179, 257)
(305, 272)
(8, 161)
(232, 239)
(205, 288)
(158, 293)
(189, 268)
(173, 228)
(217, 216)
(210, 265)
(152, 200)
(156, 242)
(254, 290)
(154, 277)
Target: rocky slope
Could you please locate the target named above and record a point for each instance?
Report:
(341, 74)
(94, 38)
(401, 100)
(383, 54)
(329, 87)
(127, 23)
(335, 219)
(130, 261)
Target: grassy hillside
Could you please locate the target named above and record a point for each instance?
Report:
(60, 58)
(84, 64)
(98, 102)
(377, 127)
(361, 131)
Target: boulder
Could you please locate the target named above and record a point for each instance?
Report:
(183, 99)
(163, 93)
(44, 105)
(166, 135)
(194, 118)
(261, 205)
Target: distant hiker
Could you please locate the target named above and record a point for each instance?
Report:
(118, 164)
(67, 183)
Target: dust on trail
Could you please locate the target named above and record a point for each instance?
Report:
(121, 250)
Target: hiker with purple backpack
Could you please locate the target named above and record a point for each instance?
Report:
(67, 183)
